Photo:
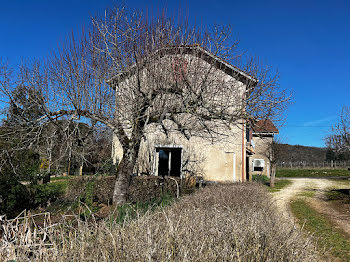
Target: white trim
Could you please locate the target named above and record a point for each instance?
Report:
(261, 161)
(156, 157)
(169, 164)
(155, 161)
(234, 167)
(182, 155)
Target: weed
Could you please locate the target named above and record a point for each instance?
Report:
(236, 222)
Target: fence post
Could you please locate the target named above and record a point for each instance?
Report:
(314, 164)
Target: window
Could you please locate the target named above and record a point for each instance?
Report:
(258, 164)
(169, 161)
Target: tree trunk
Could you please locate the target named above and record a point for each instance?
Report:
(272, 175)
(122, 182)
(126, 166)
(124, 173)
(68, 169)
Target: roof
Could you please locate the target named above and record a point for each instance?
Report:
(199, 52)
(264, 126)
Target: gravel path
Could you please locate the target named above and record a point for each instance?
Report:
(318, 202)
(283, 197)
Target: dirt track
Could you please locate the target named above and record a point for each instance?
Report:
(318, 202)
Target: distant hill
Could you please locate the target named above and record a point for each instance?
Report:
(296, 153)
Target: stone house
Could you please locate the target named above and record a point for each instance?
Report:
(259, 138)
(228, 159)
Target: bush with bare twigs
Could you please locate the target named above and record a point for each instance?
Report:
(219, 223)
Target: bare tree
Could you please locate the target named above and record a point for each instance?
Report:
(135, 74)
(19, 130)
(27, 124)
(339, 139)
(273, 153)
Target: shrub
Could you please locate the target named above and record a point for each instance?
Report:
(76, 188)
(142, 188)
(107, 167)
(219, 223)
(27, 163)
(41, 195)
(80, 193)
(14, 197)
(103, 189)
(261, 179)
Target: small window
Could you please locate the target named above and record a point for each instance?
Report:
(169, 161)
(258, 164)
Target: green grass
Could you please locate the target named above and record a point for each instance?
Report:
(307, 193)
(61, 185)
(59, 178)
(329, 237)
(286, 172)
(279, 184)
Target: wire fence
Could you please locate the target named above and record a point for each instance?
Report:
(314, 164)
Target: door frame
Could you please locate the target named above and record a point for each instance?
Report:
(156, 156)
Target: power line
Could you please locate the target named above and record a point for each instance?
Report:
(305, 126)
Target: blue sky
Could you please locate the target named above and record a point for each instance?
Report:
(308, 42)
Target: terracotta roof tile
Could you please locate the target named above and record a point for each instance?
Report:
(264, 126)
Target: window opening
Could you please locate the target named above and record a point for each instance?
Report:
(258, 164)
(169, 161)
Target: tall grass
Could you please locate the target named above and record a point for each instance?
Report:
(234, 222)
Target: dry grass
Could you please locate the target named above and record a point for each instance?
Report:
(219, 223)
